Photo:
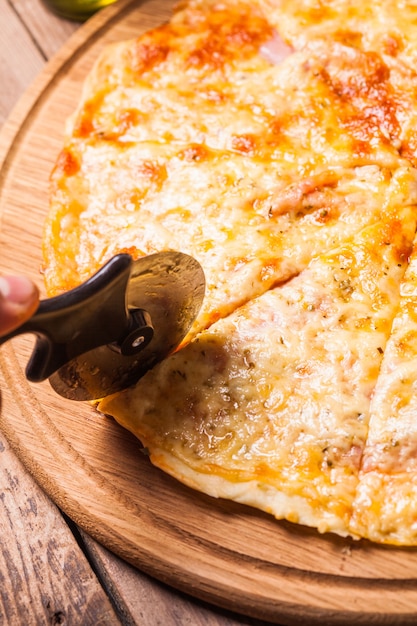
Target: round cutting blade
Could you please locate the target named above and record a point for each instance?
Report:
(166, 290)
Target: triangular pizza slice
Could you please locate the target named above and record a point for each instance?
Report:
(385, 508)
(270, 406)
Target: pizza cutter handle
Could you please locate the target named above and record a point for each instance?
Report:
(87, 317)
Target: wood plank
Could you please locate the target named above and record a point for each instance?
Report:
(44, 576)
(142, 600)
(48, 30)
(26, 63)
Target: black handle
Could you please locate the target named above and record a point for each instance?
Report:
(91, 315)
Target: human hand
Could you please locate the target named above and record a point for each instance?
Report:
(19, 299)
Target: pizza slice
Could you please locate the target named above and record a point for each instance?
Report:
(385, 508)
(249, 224)
(222, 75)
(378, 35)
(270, 406)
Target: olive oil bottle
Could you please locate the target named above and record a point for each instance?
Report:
(77, 10)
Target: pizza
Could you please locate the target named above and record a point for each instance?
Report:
(274, 142)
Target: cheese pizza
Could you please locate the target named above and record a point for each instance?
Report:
(275, 142)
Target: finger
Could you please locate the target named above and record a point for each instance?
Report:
(19, 299)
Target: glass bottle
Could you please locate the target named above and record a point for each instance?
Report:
(77, 10)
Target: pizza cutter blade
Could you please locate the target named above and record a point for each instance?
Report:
(102, 336)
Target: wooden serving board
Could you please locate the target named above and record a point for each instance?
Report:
(218, 551)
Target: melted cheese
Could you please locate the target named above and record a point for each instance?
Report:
(385, 506)
(273, 401)
(385, 26)
(383, 31)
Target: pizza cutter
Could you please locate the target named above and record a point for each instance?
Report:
(104, 335)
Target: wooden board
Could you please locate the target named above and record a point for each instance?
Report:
(227, 554)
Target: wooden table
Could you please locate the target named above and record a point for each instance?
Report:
(50, 571)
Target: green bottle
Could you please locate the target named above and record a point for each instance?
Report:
(77, 10)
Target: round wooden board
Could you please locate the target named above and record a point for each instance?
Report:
(227, 554)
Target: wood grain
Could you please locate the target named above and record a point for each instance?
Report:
(146, 602)
(15, 77)
(218, 551)
(48, 31)
(44, 552)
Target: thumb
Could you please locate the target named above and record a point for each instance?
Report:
(19, 298)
